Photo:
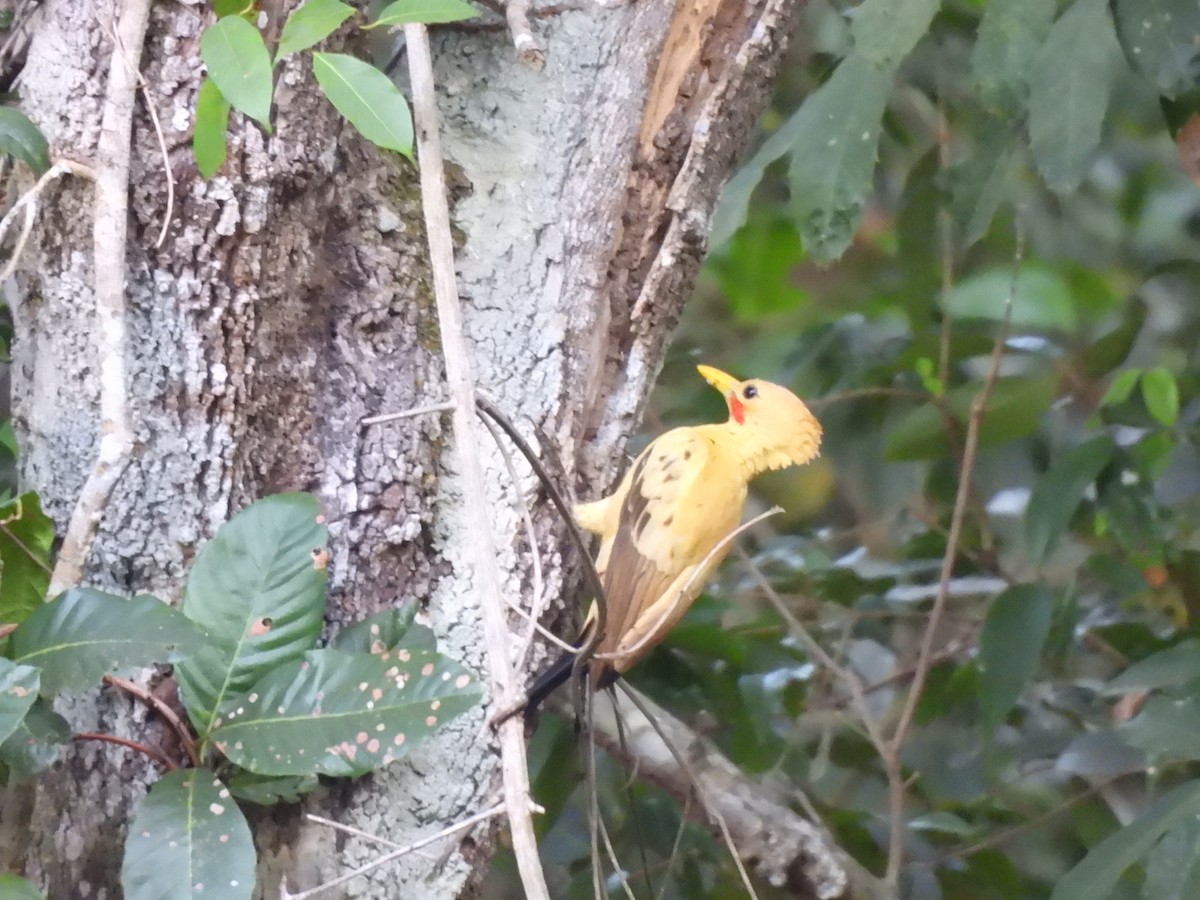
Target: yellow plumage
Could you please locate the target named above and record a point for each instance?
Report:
(683, 495)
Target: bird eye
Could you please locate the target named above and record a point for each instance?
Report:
(750, 392)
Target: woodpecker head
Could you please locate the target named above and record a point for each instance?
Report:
(772, 425)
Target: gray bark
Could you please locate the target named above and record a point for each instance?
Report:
(292, 298)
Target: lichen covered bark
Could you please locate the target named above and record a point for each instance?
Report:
(291, 298)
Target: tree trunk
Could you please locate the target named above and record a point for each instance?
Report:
(292, 297)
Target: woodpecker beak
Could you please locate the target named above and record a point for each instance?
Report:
(726, 384)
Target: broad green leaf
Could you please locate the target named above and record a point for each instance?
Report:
(1174, 666)
(1042, 299)
(757, 272)
(1070, 83)
(428, 12)
(18, 691)
(1166, 728)
(212, 122)
(979, 183)
(240, 66)
(1010, 648)
(367, 98)
(35, 745)
(1010, 35)
(885, 31)
(1122, 386)
(1161, 394)
(1112, 348)
(1159, 38)
(14, 887)
(377, 633)
(188, 839)
(336, 713)
(84, 634)
(26, 536)
(1098, 872)
(311, 24)
(1059, 492)
(266, 790)
(1013, 411)
(833, 157)
(258, 589)
(1173, 866)
(21, 139)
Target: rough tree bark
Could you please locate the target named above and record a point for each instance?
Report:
(291, 298)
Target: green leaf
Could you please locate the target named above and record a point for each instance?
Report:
(429, 12)
(1010, 648)
(336, 713)
(225, 8)
(1173, 867)
(1098, 872)
(188, 839)
(311, 24)
(84, 634)
(1159, 39)
(238, 63)
(1112, 348)
(367, 98)
(18, 690)
(1042, 299)
(21, 139)
(26, 536)
(1174, 666)
(1166, 728)
(35, 745)
(1059, 492)
(978, 184)
(1122, 386)
(377, 633)
(258, 589)
(212, 121)
(1006, 46)
(885, 31)
(14, 887)
(757, 271)
(1013, 411)
(266, 790)
(1161, 394)
(1071, 81)
(833, 156)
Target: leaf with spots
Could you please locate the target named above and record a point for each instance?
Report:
(833, 157)
(258, 589)
(386, 631)
(35, 745)
(188, 839)
(18, 690)
(343, 714)
(84, 634)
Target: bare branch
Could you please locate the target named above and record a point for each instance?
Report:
(481, 546)
(108, 247)
(892, 762)
(528, 48)
(784, 848)
(407, 414)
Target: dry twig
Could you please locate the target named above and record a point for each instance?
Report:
(108, 247)
(481, 545)
(285, 894)
(897, 786)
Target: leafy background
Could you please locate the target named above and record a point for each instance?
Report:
(934, 150)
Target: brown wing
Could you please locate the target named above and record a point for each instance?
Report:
(678, 505)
